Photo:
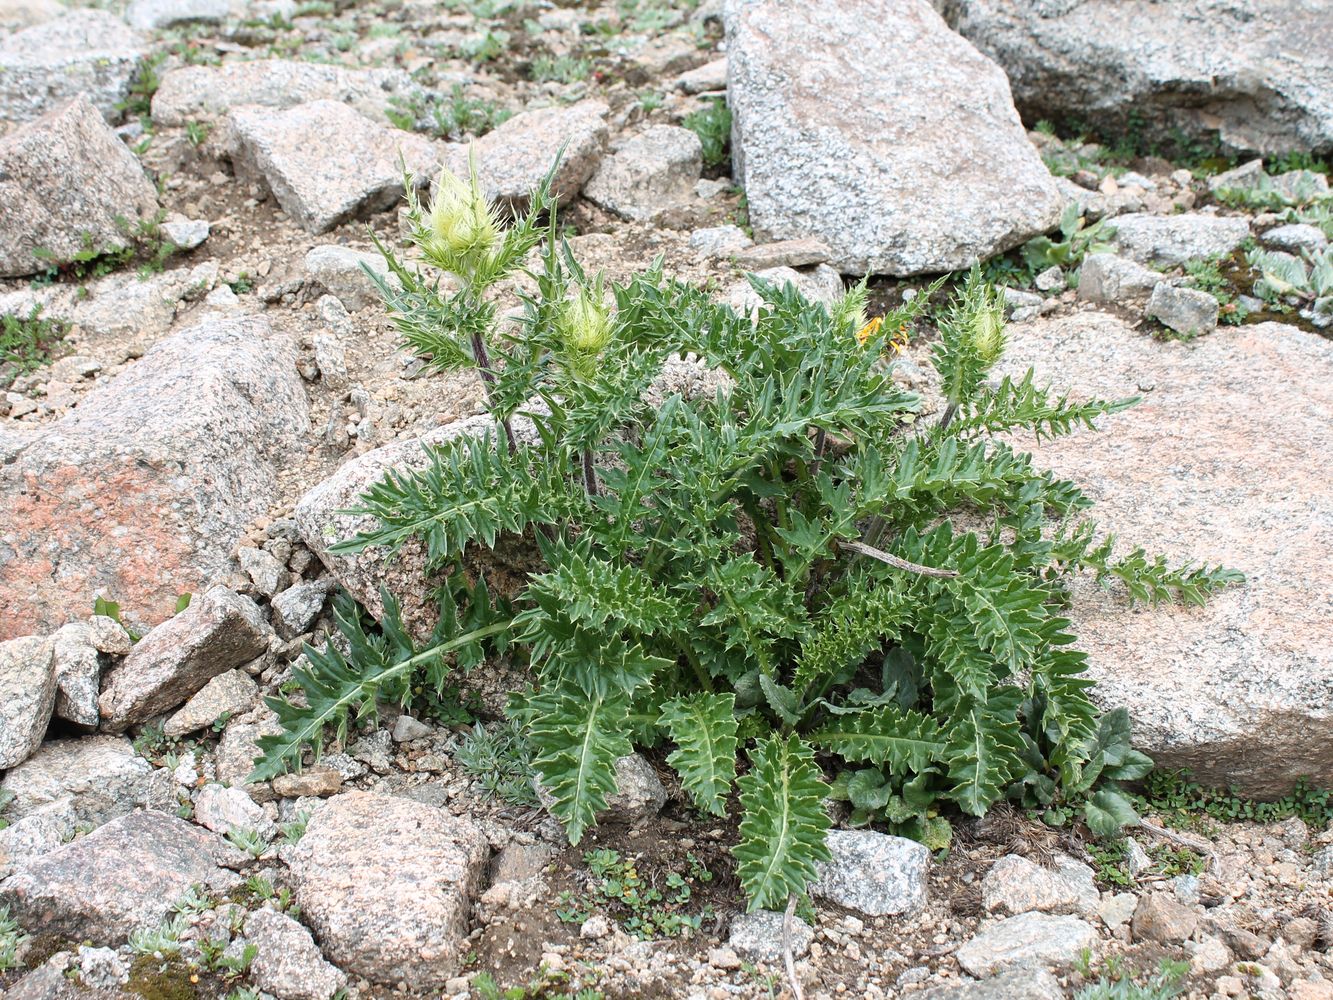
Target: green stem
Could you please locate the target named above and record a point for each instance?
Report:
(699, 672)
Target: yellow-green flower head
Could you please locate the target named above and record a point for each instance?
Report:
(585, 325)
(988, 329)
(462, 226)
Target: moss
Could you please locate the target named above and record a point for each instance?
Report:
(152, 981)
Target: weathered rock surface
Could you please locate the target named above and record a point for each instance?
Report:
(78, 674)
(325, 162)
(225, 809)
(1025, 940)
(873, 873)
(288, 964)
(649, 175)
(144, 490)
(92, 780)
(1016, 984)
(227, 694)
(1016, 885)
(120, 877)
(341, 270)
(1108, 277)
(904, 165)
(27, 696)
(1186, 310)
(297, 607)
(1160, 918)
(237, 750)
(1174, 239)
(82, 52)
(1255, 72)
(191, 92)
(513, 159)
(386, 884)
(758, 936)
(148, 15)
(217, 632)
(1223, 462)
(65, 179)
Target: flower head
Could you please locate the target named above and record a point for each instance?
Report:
(585, 325)
(987, 328)
(462, 229)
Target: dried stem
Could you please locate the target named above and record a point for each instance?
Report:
(483, 359)
(787, 958)
(860, 548)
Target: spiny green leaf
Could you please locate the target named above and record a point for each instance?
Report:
(703, 727)
(904, 741)
(577, 736)
(782, 831)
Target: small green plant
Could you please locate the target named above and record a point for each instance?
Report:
(1289, 282)
(11, 940)
(789, 574)
(139, 100)
(1077, 240)
(452, 117)
(712, 125)
(646, 908)
(651, 100)
(293, 831)
(142, 243)
(250, 841)
(197, 132)
(1274, 193)
(648, 17)
(152, 744)
(545, 985)
(1168, 982)
(6, 797)
(1110, 861)
(243, 284)
(161, 942)
(194, 902)
(1206, 275)
(486, 47)
(501, 760)
(26, 344)
(559, 69)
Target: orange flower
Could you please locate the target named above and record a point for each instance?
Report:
(869, 330)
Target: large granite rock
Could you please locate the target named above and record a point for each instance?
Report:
(1030, 939)
(873, 873)
(121, 877)
(95, 779)
(386, 884)
(88, 53)
(65, 181)
(287, 963)
(148, 15)
(878, 130)
(1255, 72)
(217, 632)
(325, 162)
(513, 159)
(650, 174)
(191, 92)
(143, 491)
(27, 696)
(1225, 461)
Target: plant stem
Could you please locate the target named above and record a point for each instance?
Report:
(589, 473)
(860, 548)
(946, 418)
(483, 358)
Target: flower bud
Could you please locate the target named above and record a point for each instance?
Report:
(462, 229)
(585, 327)
(988, 329)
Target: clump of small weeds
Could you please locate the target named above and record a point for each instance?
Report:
(1118, 983)
(294, 830)
(1206, 275)
(1183, 803)
(143, 244)
(647, 907)
(11, 940)
(452, 117)
(545, 985)
(501, 760)
(26, 344)
(559, 69)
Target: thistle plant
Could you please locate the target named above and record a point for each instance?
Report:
(792, 577)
